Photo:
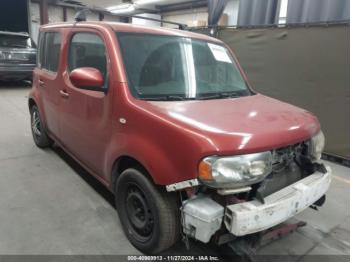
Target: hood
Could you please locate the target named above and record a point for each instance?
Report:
(240, 125)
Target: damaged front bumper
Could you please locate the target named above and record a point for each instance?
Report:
(202, 217)
(253, 216)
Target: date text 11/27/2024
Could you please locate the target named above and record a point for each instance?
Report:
(173, 258)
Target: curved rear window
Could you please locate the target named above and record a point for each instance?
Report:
(16, 41)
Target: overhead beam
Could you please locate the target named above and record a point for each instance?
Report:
(44, 12)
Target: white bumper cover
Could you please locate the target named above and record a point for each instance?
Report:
(251, 217)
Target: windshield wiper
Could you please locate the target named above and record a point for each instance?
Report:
(220, 95)
(167, 98)
(208, 96)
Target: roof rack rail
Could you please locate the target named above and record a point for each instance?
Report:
(81, 16)
(181, 26)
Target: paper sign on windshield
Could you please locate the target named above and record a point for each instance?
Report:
(219, 53)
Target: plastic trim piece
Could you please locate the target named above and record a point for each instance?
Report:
(182, 185)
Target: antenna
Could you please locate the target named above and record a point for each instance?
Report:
(81, 15)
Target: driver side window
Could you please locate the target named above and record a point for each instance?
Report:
(87, 50)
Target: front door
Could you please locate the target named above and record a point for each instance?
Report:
(86, 115)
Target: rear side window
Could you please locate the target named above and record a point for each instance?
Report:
(16, 41)
(87, 50)
(49, 51)
(40, 50)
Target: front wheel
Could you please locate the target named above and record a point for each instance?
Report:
(150, 217)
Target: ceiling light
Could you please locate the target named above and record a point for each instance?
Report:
(121, 6)
(121, 9)
(146, 2)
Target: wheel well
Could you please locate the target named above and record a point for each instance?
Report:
(31, 103)
(124, 163)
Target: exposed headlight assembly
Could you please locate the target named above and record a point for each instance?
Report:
(235, 171)
(317, 144)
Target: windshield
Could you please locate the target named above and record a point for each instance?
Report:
(16, 41)
(177, 68)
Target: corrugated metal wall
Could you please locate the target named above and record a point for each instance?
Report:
(306, 11)
(305, 66)
(258, 12)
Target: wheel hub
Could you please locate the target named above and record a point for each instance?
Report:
(36, 123)
(139, 212)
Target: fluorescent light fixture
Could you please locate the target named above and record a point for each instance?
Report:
(121, 6)
(121, 9)
(146, 2)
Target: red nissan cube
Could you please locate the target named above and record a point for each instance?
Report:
(167, 121)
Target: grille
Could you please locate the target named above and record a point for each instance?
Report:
(282, 157)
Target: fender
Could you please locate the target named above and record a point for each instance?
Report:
(162, 170)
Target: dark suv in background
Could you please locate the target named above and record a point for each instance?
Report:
(17, 56)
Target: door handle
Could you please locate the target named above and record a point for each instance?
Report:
(64, 94)
(41, 83)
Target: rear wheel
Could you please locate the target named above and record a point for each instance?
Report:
(40, 137)
(150, 217)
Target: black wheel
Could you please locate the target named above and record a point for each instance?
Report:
(40, 136)
(150, 218)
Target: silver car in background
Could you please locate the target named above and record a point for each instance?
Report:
(17, 56)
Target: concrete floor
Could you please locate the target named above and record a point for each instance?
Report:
(50, 205)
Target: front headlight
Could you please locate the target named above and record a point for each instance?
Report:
(235, 171)
(317, 144)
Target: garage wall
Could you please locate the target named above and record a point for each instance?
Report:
(111, 18)
(35, 20)
(144, 22)
(71, 14)
(55, 14)
(193, 17)
(92, 16)
(305, 66)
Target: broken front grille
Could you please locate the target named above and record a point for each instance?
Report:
(285, 170)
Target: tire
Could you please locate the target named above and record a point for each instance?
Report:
(40, 137)
(150, 218)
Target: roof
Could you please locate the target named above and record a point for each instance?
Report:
(125, 27)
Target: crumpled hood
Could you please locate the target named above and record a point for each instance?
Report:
(247, 124)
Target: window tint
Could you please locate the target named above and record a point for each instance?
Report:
(162, 66)
(49, 51)
(52, 53)
(40, 51)
(87, 50)
(16, 41)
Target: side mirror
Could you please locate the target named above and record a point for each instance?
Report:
(88, 78)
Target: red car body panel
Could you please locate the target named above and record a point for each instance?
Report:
(168, 138)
